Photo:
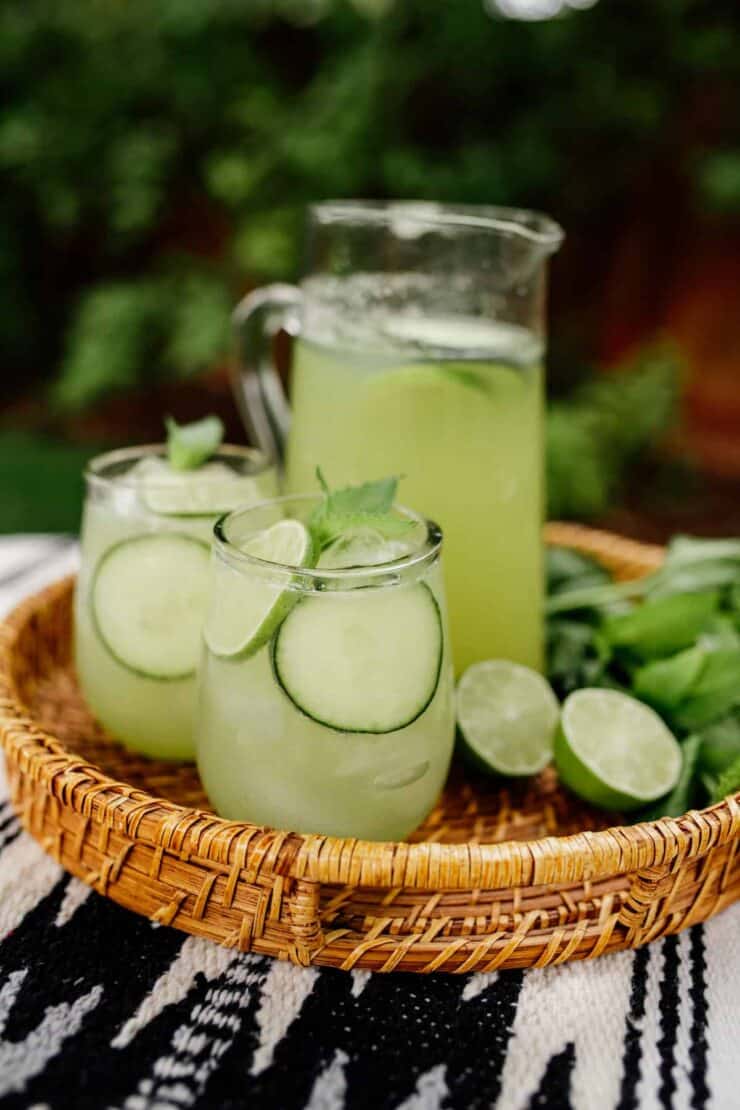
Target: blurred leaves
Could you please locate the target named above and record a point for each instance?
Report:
(42, 483)
(719, 180)
(166, 326)
(268, 245)
(133, 129)
(594, 435)
(139, 167)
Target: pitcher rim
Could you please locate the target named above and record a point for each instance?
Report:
(528, 223)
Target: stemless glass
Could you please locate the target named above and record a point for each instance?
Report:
(420, 348)
(366, 643)
(139, 605)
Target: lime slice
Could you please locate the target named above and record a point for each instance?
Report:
(208, 490)
(245, 608)
(435, 379)
(507, 715)
(614, 751)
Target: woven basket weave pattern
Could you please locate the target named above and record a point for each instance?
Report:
(494, 878)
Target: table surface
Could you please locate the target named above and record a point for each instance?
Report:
(101, 1008)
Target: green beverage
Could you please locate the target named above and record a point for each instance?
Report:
(326, 691)
(455, 405)
(142, 588)
(420, 338)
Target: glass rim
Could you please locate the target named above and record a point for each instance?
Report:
(420, 557)
(94, 471)
(537, 227)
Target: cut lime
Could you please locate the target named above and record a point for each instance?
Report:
(436, 377)
(208, 490)
(615, 752)
(246, 608)
(507, 715)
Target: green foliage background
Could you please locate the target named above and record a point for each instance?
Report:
(157, 154)
(156, 158)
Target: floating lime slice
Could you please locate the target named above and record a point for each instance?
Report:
(435, 377)
(507, 715)
(246, 608)
(615, 752)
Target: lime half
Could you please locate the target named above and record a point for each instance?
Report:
(246, 608)
(507, 715)
(615, 752)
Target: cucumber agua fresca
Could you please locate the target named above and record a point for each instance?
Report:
(355, 660)
(143, 585)
(326, 692)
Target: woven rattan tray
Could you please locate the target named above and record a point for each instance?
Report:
(494, 878)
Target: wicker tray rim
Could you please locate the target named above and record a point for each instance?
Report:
(583, 856)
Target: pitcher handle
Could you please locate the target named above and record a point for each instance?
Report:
(259, 393)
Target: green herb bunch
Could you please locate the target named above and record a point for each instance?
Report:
(593, 435)
(671, 639)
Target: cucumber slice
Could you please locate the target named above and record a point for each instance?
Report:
(208, 490)
(367, 661)
(245, 610)
(148, 600)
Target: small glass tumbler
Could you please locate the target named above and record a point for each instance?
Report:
(141, 592)
(339, 717)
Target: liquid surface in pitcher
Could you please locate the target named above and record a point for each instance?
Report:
(455, 405)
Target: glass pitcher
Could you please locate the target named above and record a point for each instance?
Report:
(420, 333)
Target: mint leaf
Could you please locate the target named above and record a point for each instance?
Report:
(369, 505)
(189, 445)
(691, 565)
(370, 497)
(727, 783)
(720, 744)
(665, 683)
(663, 626)
(715, 693)
(387, 526)
(690, 550)
(322, 481)
(568, 569)
(680, 799)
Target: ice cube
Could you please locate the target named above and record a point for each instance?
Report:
(212, 488)
(366, 547)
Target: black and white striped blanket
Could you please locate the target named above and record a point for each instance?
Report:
(100, 1008)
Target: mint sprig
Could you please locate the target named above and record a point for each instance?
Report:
(728, 782)
(190, 445)
(691, 565)
(369, 505)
